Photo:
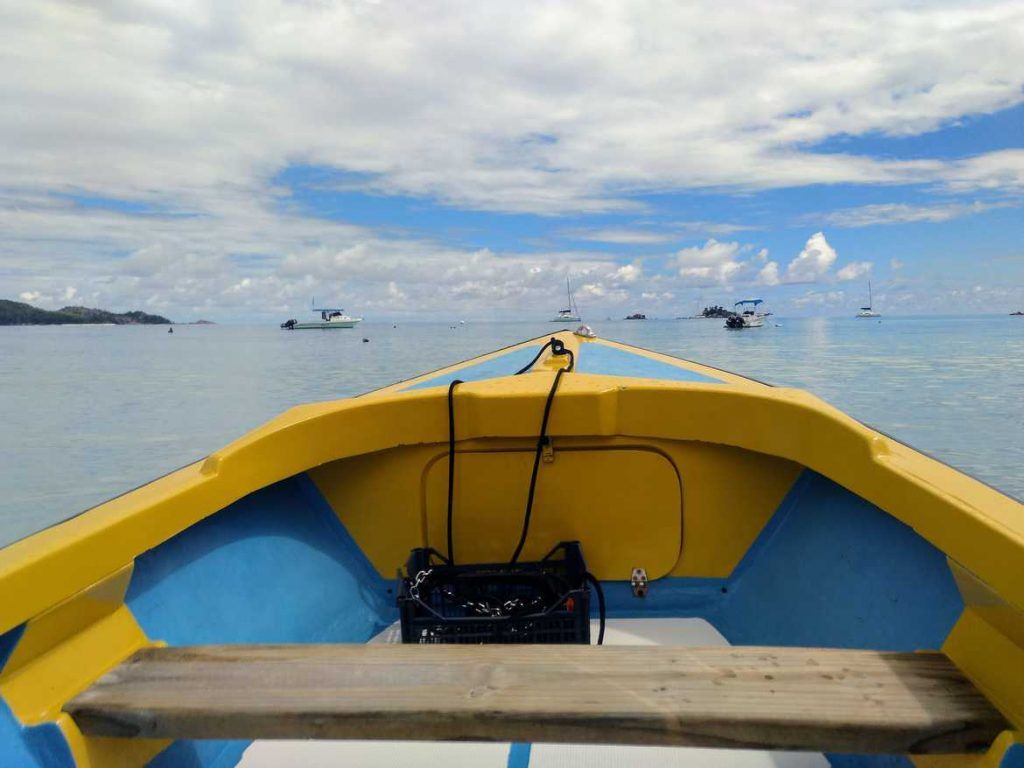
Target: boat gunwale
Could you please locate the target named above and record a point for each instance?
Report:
(252, 462)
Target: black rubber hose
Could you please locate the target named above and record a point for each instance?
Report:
(600, 605)
(541, 442)
(451, 464)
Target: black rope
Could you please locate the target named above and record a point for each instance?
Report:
(557, 348)
(600, 605)
(536, 357)
(451, 464)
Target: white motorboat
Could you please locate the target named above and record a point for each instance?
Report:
(330, 318)
(746, 315)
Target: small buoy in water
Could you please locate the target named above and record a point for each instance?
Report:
(395, 325)
(365, 341)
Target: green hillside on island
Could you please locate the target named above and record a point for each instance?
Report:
(17, 313)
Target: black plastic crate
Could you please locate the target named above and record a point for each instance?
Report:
(542, 602)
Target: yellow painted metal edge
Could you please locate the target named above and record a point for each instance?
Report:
(976, 525)
(36, 691)
(992, 758)
(99, 752)
(987, 643)
(61, 622)
(64, 650)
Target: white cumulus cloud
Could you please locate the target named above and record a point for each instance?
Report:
(902, 213)
(769, 274)
(813, 262)
(713, 262)
(186, 116)
(627, 273)
(853, 270)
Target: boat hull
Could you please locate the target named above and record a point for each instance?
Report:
(326, 326)
(741, 323)
(766, 513)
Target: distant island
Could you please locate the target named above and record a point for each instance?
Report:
(716, 311)
(17, 313)
(709, 313)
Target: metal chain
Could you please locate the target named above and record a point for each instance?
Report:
(414, 588)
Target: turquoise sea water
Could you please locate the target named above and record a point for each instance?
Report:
(87, 412)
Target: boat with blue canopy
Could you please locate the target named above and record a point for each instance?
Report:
(746, 315)
(569, 551)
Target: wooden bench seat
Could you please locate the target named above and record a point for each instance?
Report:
(744, 697)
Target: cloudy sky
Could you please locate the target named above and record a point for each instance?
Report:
(231, 160)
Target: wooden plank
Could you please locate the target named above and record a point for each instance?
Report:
(744, 697)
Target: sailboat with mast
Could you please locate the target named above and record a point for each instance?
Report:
(868, 311)
(571, 314)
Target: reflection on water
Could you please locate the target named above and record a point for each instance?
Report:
(88, 412)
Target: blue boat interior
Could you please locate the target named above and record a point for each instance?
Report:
(828, 570)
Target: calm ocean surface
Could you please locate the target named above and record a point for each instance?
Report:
(87, 412)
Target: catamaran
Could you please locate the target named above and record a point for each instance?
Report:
(868, 311)
(744, 317)
(571, 314)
